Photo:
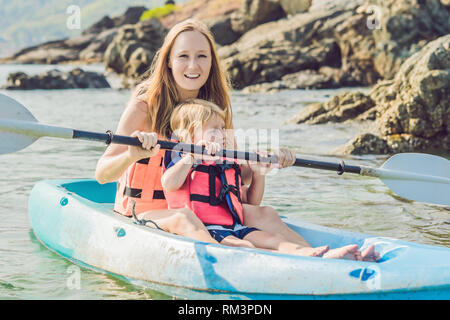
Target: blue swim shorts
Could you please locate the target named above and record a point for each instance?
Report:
(219, 232)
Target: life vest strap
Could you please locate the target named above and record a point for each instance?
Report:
(144, 161)
(147, 160)
(137, 193)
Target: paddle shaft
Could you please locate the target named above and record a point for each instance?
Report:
(243, 155)
(37, 130)
(168, 145)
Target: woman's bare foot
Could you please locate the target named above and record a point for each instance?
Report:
(312, 252)
(350, 252)
(370, 254)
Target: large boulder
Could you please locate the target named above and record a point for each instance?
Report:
(55, 79)
(51, 52)
(275, 49)
(221, 29)
(131, 16)
(401, 28)
(97, 46)
(133, 48)
(417, 115)
(295, 6)
(340, 108)
(412, 111)
(254, 13)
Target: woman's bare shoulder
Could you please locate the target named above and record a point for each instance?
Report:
(135, 117)
(137, 105)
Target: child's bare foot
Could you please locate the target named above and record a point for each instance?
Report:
(350, 252)
(370, 254)
(312, 252)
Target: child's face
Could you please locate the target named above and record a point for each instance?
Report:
(213, 131)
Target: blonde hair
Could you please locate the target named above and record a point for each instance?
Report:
(191, 114)
(159, 89)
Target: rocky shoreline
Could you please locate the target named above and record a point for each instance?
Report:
(89, 47)
(272, 45)
(269, 45)
(55, 79)
(410, 112)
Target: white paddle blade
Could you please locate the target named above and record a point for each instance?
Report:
(419, 177)
(10, 109)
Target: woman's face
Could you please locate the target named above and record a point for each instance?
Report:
(190, 63)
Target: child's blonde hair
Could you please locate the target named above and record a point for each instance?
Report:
(191, 114)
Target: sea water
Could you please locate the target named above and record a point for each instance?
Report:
(28, 270)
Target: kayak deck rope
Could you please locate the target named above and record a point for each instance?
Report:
(142, 222)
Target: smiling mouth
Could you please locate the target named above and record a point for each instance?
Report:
(192, 76)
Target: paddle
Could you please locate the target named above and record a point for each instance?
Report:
(415, 176)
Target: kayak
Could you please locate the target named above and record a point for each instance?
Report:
(75, 219)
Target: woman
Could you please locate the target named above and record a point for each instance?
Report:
(185, 67)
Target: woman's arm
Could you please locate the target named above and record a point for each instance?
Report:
(257, 172)
(117, 158)
(255, 192)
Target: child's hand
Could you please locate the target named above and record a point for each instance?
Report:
(149, 146)
(212, 148)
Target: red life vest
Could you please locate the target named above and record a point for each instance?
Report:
(212, 192)
(141, 182)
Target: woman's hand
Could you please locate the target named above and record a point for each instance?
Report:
(286, 158)
(149, 146)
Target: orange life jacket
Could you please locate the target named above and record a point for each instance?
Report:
(141, 182)
(212, 192)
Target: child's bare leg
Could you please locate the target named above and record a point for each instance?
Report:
(236, 242)
(350, 252)
(265, 240)
(266, 218)
(178, 221)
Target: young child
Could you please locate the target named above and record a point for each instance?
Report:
(211, 187)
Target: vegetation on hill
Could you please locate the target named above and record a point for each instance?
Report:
(159, 12)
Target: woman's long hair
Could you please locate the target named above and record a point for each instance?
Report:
(159, 89)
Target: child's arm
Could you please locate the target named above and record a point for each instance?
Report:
(174, 177)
